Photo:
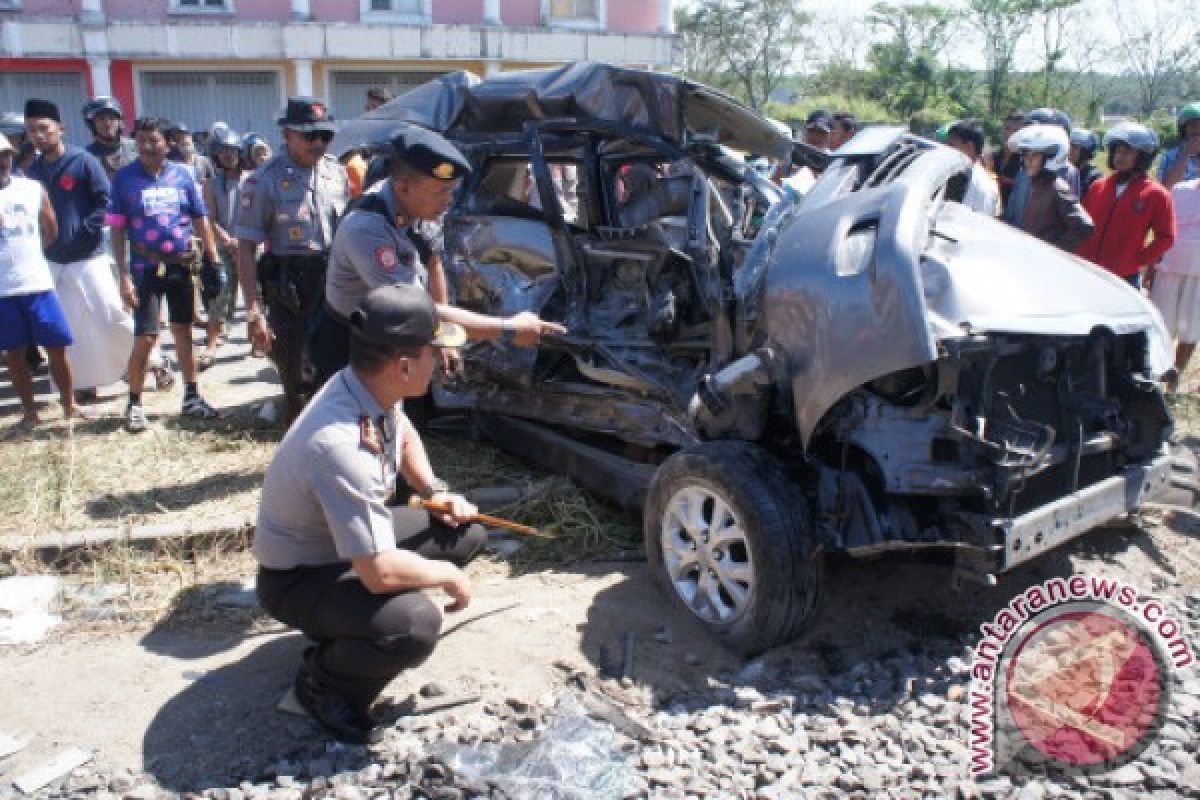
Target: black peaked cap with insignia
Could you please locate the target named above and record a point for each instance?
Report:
(306, 114)
(429, 153)
(402, 315)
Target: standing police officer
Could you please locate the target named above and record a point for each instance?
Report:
(387, 239)
(291, 203)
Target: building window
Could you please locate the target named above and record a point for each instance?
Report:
(202, 6)
(10, 5)
(574, 13)
(418, 11)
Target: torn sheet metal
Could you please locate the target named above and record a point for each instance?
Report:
(649, 102)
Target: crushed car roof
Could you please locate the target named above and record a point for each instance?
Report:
(650, 102)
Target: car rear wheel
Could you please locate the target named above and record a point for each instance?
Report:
(729, 539)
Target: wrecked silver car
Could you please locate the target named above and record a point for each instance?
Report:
(871, 367)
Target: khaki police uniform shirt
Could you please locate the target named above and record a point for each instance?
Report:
(291, 208)
(324, 494)
(372, 250)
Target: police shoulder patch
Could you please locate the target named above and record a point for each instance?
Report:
(385, 257)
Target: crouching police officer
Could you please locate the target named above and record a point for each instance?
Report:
(386, 239)
(335, 560)
(291, 203)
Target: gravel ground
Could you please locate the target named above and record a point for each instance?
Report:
(778, 727)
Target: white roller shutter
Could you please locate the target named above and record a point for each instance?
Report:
(65, 89)
(348, 89)
(246, 101)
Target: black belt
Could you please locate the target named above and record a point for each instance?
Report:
(176, 260)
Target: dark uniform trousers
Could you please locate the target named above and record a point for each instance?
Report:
(293, 287)
(364, 640)
(328, 345)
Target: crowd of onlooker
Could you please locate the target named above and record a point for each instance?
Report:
(1139, 222)
(99, 244)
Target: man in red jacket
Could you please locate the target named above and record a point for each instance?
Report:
(1126, 205)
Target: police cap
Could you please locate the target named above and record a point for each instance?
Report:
(429, 153)
(403, 315)
(306, 114)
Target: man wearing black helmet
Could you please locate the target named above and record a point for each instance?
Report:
(1128, 206)
(105, 119)
(220, 196)
(12, 126)
(386, 239)
(1083, 148)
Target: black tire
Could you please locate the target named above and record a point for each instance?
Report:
(785, 568)
(1184, 490)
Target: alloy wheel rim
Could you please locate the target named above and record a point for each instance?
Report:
(706, 554)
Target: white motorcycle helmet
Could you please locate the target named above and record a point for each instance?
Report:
(1049, 140)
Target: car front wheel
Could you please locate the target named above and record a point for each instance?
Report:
(729, 539)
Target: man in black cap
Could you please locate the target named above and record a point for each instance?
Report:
(377, 96)
(183, 150)
(817, 128)
(337, 559)
(291, 203)
(386, 239)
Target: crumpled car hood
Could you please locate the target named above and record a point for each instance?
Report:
(983, 275)
(460, 104)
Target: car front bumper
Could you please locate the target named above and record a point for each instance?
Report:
(1033, 533)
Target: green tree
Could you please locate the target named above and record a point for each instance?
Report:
(1002, 25)
(905, 69)
(746, 46)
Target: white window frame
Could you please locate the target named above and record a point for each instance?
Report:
(229, 7)
(597, 23)
(422, 17)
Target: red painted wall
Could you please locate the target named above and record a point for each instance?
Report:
(334, 10)
(39, 8)
(467, 12)
(633, 16)
(250, 10)
(521, 12)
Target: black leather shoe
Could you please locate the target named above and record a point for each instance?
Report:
(334, 713)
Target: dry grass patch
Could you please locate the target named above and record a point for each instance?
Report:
(100, 476)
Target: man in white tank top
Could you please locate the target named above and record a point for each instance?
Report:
(30, 314)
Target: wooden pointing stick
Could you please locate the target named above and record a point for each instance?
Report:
(439, 507)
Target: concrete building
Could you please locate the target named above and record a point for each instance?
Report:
(197, 61)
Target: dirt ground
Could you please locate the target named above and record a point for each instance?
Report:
(189, 695)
